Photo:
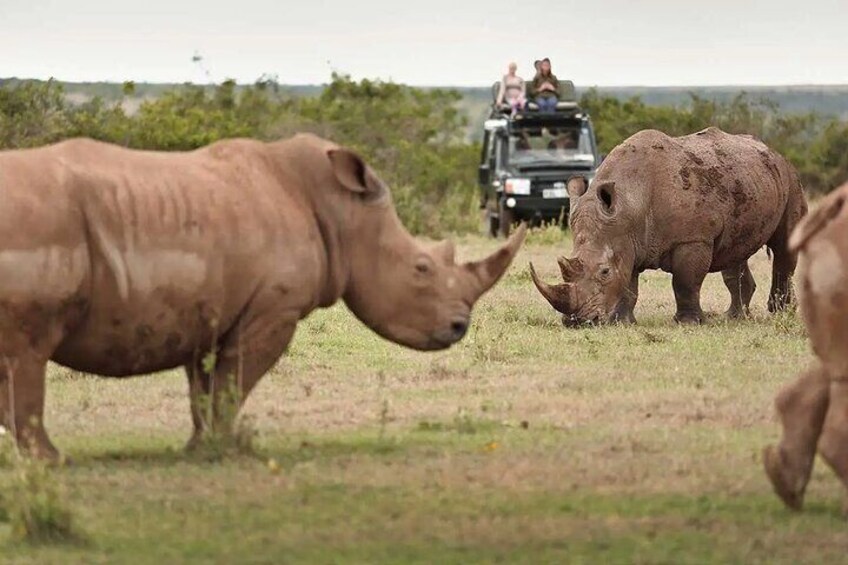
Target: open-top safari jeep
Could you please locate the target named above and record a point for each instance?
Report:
(528, 158)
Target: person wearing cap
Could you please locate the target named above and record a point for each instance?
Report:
(512, 90)
(545, 87)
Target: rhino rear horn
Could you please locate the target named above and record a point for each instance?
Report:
(556, 295)
(570, 268)
(488, 271)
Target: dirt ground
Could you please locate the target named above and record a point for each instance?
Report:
(527, 442)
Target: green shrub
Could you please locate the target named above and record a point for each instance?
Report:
(32, 500)
(414, 137)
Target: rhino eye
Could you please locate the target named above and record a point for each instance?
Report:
(422, 267)
(605, 271)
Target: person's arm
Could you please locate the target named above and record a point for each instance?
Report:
(501, 92)
(554, 84)
(536, 86)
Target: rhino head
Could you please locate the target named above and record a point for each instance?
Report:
(595, 281)
(414, 294)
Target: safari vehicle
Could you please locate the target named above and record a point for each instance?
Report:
(528, 158)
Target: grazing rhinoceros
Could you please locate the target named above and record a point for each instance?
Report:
(689, 206)
(120, 262)
(814, 408)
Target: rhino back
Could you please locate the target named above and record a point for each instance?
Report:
(176, 245)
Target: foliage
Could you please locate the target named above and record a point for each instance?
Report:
(817, 147)
(417, 144)
(31, 499)
(414, 137)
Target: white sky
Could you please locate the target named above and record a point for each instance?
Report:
(430, 42)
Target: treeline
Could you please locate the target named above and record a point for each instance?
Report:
(415, 138)
(817, 146)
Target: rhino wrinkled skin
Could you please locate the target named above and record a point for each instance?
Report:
(688, 205)
(119, 262)
(814, 409)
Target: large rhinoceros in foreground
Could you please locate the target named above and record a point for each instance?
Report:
(689, 206)
(814, 408)
(120, 262)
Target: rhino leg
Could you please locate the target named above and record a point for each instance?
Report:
(690, 264)
(740, 282)
(245, 354)
(782, 268)
(801, 407)
(22, 403)
(624, 312)
(833, 444)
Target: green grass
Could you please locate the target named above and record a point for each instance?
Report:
(527, 442)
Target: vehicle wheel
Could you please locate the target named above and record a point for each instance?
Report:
(505, 220)
(493, 224)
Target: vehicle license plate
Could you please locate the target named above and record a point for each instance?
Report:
(554, 193)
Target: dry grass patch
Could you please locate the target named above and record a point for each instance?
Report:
(526, 442)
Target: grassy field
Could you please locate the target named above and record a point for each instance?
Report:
(527, 442)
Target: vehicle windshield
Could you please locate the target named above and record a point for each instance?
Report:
(550, 146)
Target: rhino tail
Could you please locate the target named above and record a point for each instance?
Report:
(815, 221)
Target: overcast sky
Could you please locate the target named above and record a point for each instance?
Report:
(432, 42)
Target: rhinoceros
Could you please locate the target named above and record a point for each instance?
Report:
(687, 205)
(119, 262)
(814, 409)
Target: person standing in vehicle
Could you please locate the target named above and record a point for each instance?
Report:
(512, 90)
(546, 87)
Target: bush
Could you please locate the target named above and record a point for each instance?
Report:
(32, 500)
(816, 146)
(414, 137)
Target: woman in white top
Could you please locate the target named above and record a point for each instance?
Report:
(512, 91)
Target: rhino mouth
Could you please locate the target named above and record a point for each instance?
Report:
(574, 321)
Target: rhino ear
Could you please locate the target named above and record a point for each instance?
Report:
(607, 196)
(577, 187)
(353, 174)
(571, 269)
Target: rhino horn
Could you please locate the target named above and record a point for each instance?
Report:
(445, 250)
(556, 294)
(570, 268)
(485, 273)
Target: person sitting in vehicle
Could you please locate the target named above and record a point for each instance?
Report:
(545, 87)
(522, 143)
(564, 142)
(512, 91)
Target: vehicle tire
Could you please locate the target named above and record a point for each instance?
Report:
(505, 220)
(493, 224)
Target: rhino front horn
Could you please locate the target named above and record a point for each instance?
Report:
(488, 271)
(556, 295)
